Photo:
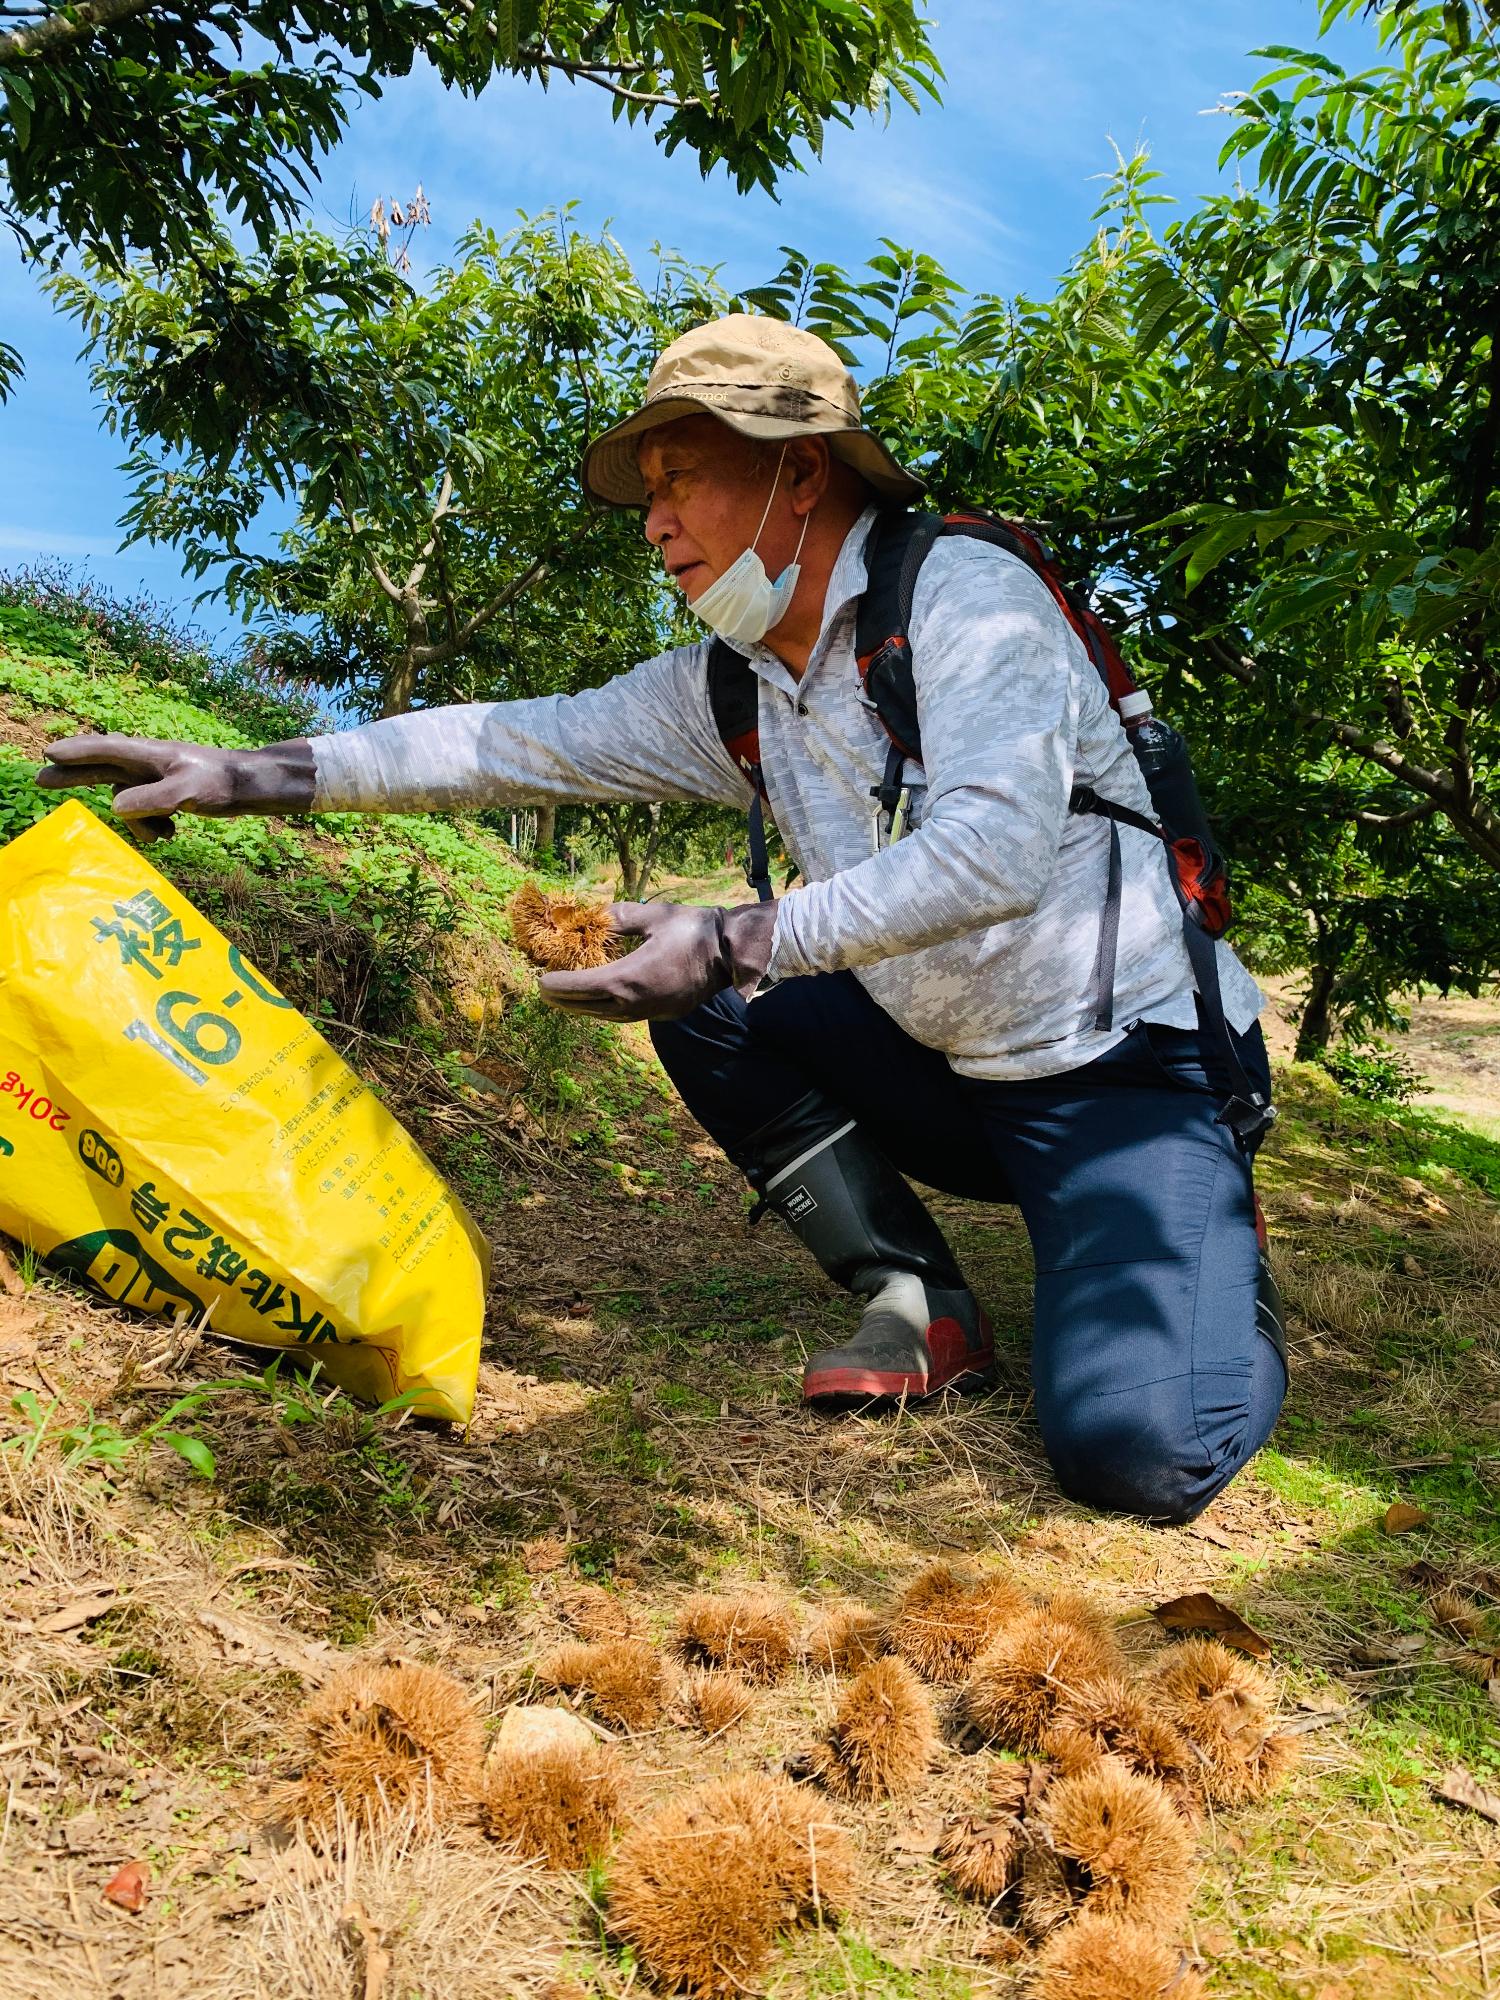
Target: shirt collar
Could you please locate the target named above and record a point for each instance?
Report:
(847, 582)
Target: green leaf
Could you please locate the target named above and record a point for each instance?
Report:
(193, 1449)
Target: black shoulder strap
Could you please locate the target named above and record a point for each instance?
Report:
(734, 698)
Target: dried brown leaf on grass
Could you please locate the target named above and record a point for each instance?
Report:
(1098, 1958)
(845, 1638)
(1020, 1681)
(248, 1642)
(1224, 1705)
(712, 1699)
(559, 1805)
(883, 1737)
(946, 1617)
(561, 932)
(624, 1681)
(1106, 1842)
(702, 1887)
(380, 1740)
(1197, 1611)
(1402, 1516)
(754, 1633)
(1458, 1787)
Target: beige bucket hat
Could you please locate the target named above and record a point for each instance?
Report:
(764, 379)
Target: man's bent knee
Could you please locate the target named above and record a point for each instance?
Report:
(1134, 1460)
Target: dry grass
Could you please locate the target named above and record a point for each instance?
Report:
(754, 1633)
(382, 1740)
(559, 1806)
(446, 1923)
(1100, 1958)
(883, 1738)
(145, 1731)
(624, 1681)
(945, 1618)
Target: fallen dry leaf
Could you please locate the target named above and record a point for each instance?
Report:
(246, 1642)
(1198, 1612)
(1401, 1517)
(1389, 1652)
(126, 1888)
(69, 1617)
(1458, 1787)
(11, 1281)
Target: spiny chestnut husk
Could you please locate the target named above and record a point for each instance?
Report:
(624, 1681)
(1108, 1843)
(557, 1805)
(883, 1737)
(981, 1852)
(1101, 1958)
(387, 1739)
(1021, 1680)
(713, 1699)
(560, 932)
(944, 1619)
(845, 1638)
(1113, 1718)
(702, 1887)
(1222, 1704)
(754, 1633)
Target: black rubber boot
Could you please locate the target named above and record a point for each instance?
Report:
(922, 1330)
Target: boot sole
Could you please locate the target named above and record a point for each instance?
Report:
(881, 1385)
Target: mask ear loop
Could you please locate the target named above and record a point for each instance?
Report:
(769, 498)
(767, 514)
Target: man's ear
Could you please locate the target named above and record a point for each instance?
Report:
(807, 462)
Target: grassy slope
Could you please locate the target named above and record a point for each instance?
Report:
(638, 1426)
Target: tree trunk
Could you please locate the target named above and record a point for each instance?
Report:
(546, 829)
(1315, 1029)
(401, 682)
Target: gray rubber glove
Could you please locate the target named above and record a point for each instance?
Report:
(154, 780)
(686, 955)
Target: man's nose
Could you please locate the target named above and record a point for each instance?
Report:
(659, 524)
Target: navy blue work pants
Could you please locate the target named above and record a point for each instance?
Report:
(1153, 1385)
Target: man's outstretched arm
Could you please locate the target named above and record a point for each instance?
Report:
(647, 734)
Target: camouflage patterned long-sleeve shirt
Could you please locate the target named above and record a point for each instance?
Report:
(978, 930)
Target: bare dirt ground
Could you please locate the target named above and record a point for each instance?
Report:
(638, 1429)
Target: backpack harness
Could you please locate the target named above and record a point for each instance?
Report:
(898, 545)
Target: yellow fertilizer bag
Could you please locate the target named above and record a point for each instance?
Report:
(175, 1133)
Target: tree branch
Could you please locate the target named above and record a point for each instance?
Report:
(418, 569)
(1471, 814)
(65, 30)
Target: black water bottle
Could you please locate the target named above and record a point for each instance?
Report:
(1162, 754)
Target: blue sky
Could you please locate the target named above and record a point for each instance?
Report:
(998, 183)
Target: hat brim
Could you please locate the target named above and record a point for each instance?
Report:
(610, 473)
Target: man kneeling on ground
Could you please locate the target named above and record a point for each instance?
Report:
(927, 1002)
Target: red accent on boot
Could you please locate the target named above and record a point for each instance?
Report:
(1262, 1236)
(951, 1359)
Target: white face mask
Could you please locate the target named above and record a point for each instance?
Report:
(743, 604)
